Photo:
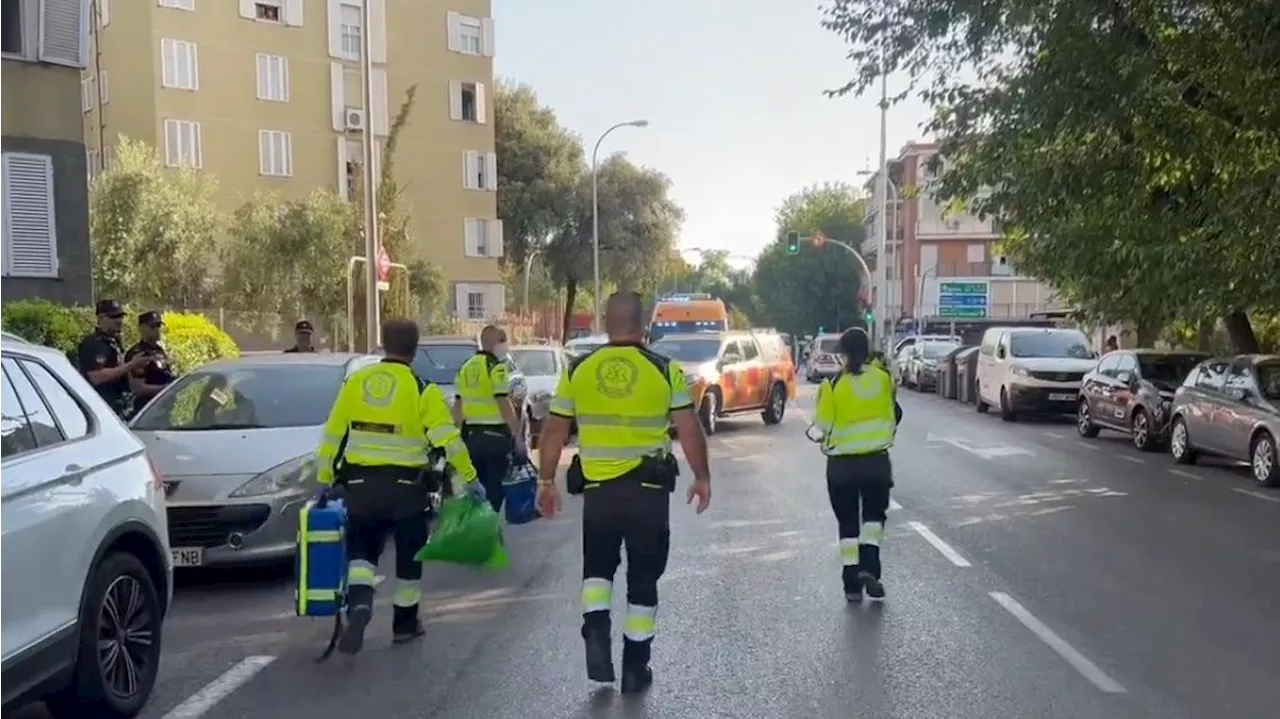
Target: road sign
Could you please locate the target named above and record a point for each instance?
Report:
(967, 300)
(384, 268)
(818, 239)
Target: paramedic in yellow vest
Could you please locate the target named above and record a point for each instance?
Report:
(623, 397)
(375, 446)
(490, 424)
(858, 415)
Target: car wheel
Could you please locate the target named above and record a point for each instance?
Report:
(1141, 431)
(535, 430)
(1007, 412)
(1264, 460)
(1180, 443)
(119, 648)
(1084, 422)
(709, 410)
(979, 405)
(777, 406)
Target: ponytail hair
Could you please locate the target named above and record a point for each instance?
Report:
(855, 346)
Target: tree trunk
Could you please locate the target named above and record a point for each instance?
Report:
(1240, 330)
(570, 295)
(1204, 335)
(1147, 333)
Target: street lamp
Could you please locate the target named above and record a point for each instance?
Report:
(595, 211)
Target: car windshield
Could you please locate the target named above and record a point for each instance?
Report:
(936, 350)
(245, 397)
(830, 345)
(688, 350)
(1167, 369)
(1052, 345)
(1269, 379)
(440, 363)
(661, 329)
(535, 363)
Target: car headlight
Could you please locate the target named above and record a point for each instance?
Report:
(690, 379)
(1019, 371)
(280, 478)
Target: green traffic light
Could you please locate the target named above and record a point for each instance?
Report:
(793, 243)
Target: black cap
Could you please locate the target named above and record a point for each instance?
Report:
(151, 318)
(110, 308)
(304, 326)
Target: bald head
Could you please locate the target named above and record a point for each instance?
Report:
(624, 317)
(492, 336)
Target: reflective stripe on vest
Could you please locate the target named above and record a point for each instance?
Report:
(474, 384)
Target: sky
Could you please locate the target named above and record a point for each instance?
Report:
(732, 89)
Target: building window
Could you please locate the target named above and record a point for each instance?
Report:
(11, 26)
(88, 94)
(30, 235)
(975, 254)
(267, 10)
(470, 35)
(182, 144)
(350, 29)
(179, 4)
(275, 153)
(475, 305)
(92, 163)
(476, 238)
(273, 78)
(180, 68)
(480, 170)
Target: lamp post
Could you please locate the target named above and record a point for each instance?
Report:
(372, 328)
(595, 211)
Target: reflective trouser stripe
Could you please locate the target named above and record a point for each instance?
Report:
(597, 595)
(407, 593)
(849, 552)
(872, 534)
(640, 623)
(621, 421)
(589, 452)
(360, 573)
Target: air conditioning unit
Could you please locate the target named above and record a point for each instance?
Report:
(953, 224)
(354, 118)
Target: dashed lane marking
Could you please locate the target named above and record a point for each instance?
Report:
(1255, 495)
(943, 548)
(215, 691)
(1078, 661)
(893, 504)
(1055, 435)
(1091, 447)
(1135, 460)
(1184, 473)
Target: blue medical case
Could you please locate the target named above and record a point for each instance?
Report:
(321, 561)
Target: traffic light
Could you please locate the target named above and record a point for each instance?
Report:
(869, 318)
(793, 243)
(819, 330)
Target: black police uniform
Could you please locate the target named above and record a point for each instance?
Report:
(100, 350)
(302, 326)
(158, 371)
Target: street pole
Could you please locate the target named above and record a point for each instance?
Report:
(373, 325)
(882, 192)
(595, 213)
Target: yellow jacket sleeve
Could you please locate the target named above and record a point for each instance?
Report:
(680, 398)
(500, 379)
(332, 439)
(433, 411)
(563, 404)
(825, 411)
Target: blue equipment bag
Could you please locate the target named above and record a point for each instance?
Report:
(321, 560)
(520, 492)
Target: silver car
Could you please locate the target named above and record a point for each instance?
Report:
(235, 441)
(1230, 407)
(541, 366)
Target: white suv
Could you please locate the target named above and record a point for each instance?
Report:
(87, 575)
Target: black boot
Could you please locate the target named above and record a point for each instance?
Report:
(875, 589)
(359, 612)
(636, 674)
(596, 632)
(852, 584)
(406, 625)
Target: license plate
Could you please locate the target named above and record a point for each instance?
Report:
(187, 557)
(1061, 397)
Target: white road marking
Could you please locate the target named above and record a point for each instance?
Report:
(1055, 435)
(945, 549)
(1256, 495)
(215, 691)
(1135, 460)
(1088, 446)
(893, 504)
(1184, 473)
(983, 452)
(1078, 661)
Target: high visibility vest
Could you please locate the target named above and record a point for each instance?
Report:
(481, 383)
(856, 413)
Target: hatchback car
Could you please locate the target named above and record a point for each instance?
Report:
(236, 442)
(86, 570)
(921, 372)
(824, 358)
(1230, 407)
(1131, 391)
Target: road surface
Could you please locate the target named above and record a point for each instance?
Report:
(1030, 574)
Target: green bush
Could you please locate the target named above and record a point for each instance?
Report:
(192, 340)
(46, 323)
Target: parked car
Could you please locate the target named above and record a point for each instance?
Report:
(541, 366)
(824, 358)
(87, 577)
(911, 340)
(1131, 391)
(898, 365)
(236, 442)
(440, 357)
(733, 373)
(1032, 369)
(1230, 407)
(922, 363)
(579, 346)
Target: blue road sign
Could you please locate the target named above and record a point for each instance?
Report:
(968, 300)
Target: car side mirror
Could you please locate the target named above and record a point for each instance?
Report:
(729, 358)
(1000, 353)
(1125, 377)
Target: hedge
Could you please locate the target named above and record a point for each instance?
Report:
(191, 339)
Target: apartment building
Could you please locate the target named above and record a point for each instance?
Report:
(942, 263)
(45, 214)
(267, 96)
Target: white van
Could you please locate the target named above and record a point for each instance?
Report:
(1032, 369)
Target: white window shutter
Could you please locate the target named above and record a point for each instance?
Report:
(491, 171)
(247, 10)
(197, 145)
(194, 57)
(86, 94)
(486, 30)
(30, 233)
(469, 160)
(293, 13)
(481, 108)
(342, 168)
(264, 152)
(104, 12)
(455, 100)
(338, 89)
(470, 238)
(335, 28)
(264, 75)
(381, 113)
(64, 32)
(496, 248)
(452, 27)
(460, 298)
(378, 30)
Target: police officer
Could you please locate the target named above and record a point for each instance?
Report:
(147, 381)
(858, 414)
(302, 332)
(623, 396)
(100, 358)
(376, 445)
(490, 424)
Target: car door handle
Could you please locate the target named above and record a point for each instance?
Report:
(73, 474)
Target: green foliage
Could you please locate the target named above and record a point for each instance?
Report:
(192, 340)
(152, 229)
(820, 285)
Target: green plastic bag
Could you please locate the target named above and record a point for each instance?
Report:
(468, 532)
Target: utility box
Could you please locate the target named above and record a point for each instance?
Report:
(966, 362)
(946, 384)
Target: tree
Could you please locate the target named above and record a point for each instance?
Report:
(818, 288)
(152, 230)
(1131, 147)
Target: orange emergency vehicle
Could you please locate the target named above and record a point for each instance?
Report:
(684, 314)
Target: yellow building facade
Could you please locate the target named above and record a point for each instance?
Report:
(266, 95)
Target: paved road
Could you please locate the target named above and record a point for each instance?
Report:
(1031, 574)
